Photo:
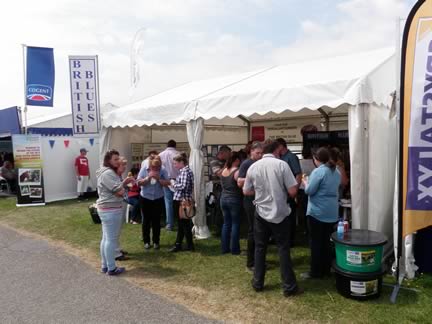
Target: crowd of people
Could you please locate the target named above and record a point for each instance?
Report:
(266, 182)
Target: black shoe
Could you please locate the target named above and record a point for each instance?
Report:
(190, 248)
(122, 258)
(124, 252)
(176, 248)
(296, 292)
(256, 288)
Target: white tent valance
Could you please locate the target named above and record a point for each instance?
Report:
(331, 82)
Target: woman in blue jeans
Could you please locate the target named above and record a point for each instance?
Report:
(231, 202)
(110, 210)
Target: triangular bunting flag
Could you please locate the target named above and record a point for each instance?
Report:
(91, 141)
(66, 143)
(51, 143)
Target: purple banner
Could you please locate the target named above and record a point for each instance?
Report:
(419, 194)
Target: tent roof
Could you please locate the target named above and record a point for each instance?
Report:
(330, 82)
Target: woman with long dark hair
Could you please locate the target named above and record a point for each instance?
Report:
(110, 209)
(322, 211)
(231, 202)
(183, 190)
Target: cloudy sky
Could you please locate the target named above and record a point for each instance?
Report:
(184, 40)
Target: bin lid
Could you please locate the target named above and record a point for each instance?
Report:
(356, 237)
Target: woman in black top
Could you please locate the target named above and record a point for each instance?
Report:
(231, 201)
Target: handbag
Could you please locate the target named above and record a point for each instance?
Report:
(187, 209)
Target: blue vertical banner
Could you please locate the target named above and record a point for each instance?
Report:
(40, 76)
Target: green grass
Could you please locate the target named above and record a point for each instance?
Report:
(223, 277)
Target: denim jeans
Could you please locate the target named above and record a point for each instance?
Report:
(136, 210)
(231, 209)
(168, 197)
(111, 225)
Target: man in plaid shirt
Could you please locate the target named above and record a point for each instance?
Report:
(183, 187)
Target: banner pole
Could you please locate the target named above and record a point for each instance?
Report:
(24, 47)
(398, 255)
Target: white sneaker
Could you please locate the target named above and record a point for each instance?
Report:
(156, 246)
(147, 246)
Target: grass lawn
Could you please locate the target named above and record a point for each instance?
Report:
(218, 285)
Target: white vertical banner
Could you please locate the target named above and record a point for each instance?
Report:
(84, 83)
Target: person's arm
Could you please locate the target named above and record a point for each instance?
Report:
(296, 168)
(77, 170)
(236, 175)
(248, 188)
(344, 176)
(164, 181)
(314, 182)
(290, 182)
(143, 179)
(182, 181)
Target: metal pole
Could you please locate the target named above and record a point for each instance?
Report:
(24, 47)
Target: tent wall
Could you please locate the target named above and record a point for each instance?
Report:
(121, 138)
(289, 128)
(373, 146)
(59, 174)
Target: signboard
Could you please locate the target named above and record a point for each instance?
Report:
(258, 133)
(84, 83)
(40, 76)
(27, 151)
(416, 121)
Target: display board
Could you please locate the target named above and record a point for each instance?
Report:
(27, 151)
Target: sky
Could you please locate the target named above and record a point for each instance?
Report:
(183, 40)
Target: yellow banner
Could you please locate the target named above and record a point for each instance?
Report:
(416, 119)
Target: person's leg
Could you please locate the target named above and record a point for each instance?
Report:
(236, 210)
(281, 234)
(188, 233)
(327, 249)
(292, 221)
(103, 243)
(226, 227)
(262, 234)
(180, 230)
(315, 229)
(250, 213)
(169, 210)
(156, 219)
(110, 229)
(135, 214)
(148, 210)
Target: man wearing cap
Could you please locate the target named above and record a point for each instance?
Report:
(82, 171)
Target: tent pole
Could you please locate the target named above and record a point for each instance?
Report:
(243, 118)
(24, 47)
(326, 118)
(399, 71)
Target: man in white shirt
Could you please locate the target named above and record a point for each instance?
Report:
(271, 180)
(167, 157)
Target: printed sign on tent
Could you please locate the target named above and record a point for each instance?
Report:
(27, 151)
(40, 76)
(84, 85)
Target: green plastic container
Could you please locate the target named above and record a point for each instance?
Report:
(359, 251)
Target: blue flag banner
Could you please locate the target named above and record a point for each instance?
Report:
(51, 143)
(91, 140)
(40, 76)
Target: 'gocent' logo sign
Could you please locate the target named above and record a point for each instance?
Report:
(39, 92)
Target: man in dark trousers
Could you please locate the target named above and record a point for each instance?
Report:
(271, 181)
(256, 151)
(294, 164)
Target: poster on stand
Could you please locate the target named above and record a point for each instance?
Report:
(27, 150)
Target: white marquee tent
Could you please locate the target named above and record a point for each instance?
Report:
(360, 84)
